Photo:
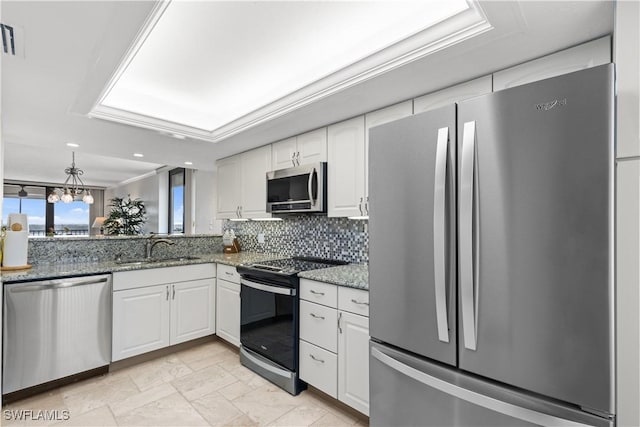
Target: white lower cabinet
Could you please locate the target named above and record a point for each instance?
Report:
(319, 368)
(149, 314)
(228, 304)
(140, 321)
(353, 361)
(228, 312)
(192, 310)
(334, 341)
(318, 325)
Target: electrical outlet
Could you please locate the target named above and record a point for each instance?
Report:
(260, 237)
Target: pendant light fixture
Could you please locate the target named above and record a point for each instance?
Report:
(73, 186)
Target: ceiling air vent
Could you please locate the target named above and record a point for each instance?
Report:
(8, 41)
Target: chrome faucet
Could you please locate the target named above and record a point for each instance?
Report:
(151, 242)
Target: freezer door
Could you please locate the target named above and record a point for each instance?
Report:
(411, 231)
(535, 237)
(409, 391)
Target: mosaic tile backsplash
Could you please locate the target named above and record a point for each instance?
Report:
(306, 235)
(95, 249)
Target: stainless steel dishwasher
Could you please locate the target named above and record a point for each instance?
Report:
(55, 328)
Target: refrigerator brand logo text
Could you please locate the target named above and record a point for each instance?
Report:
(546, 106)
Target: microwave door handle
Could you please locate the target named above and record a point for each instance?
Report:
(310, 187)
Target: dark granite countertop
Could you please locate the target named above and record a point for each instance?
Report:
(351, 275)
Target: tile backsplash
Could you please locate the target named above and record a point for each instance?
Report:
(306, 235)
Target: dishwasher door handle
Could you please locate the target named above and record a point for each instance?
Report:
(56, 284)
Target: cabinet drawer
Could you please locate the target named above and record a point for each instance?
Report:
(318, 325)
(159, 276)
(229, 273)
(319, 368)
(318, 292)
(353, 300)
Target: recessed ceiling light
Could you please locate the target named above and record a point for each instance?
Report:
(138, 155)
(188, 163)
(71, 144)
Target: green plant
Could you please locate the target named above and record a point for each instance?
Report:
(126, 216)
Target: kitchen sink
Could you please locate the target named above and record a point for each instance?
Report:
(144, 261)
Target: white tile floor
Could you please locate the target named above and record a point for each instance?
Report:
(200, 386)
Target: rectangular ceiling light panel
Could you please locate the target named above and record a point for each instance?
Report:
(203, 65)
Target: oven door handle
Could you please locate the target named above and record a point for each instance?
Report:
(267, 288)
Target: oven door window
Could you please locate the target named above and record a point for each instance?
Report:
(267, 325)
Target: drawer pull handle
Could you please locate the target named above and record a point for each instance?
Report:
(316, 316)
(359, 302)
(316, 293)
(316, 359)
(228, 273)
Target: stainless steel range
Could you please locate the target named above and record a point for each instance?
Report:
(269, 318)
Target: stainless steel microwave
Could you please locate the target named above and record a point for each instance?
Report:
(297, 190)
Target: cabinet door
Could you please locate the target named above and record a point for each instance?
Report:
(282, 153)
(192, 310)
(228, 311)
(353, 361)
(457, 93)
(229, 178)
(378, 117)
(255, 165)
(312, 146)
(346, 168)
(140, 321)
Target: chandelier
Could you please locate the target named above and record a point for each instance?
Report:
(73, 186)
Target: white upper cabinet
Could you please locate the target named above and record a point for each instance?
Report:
(229, 175)
(255, 165)
(448, 96)
(577, 58)
(346, 168)
(242, 184)
(283, 153)
(310, 147)
(375, 118)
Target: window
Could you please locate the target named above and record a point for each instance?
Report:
(63, 218)
(71, 218)
(176, 200)
(29, 200)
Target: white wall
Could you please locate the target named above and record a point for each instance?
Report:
(153, 191)
(627, 59)
(205, 203)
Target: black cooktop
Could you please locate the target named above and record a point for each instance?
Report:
(294, 265)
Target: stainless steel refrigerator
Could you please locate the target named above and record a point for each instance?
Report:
(491, 259)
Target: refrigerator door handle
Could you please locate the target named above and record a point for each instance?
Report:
(466, 224)
(528, 415)
(439, 232)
